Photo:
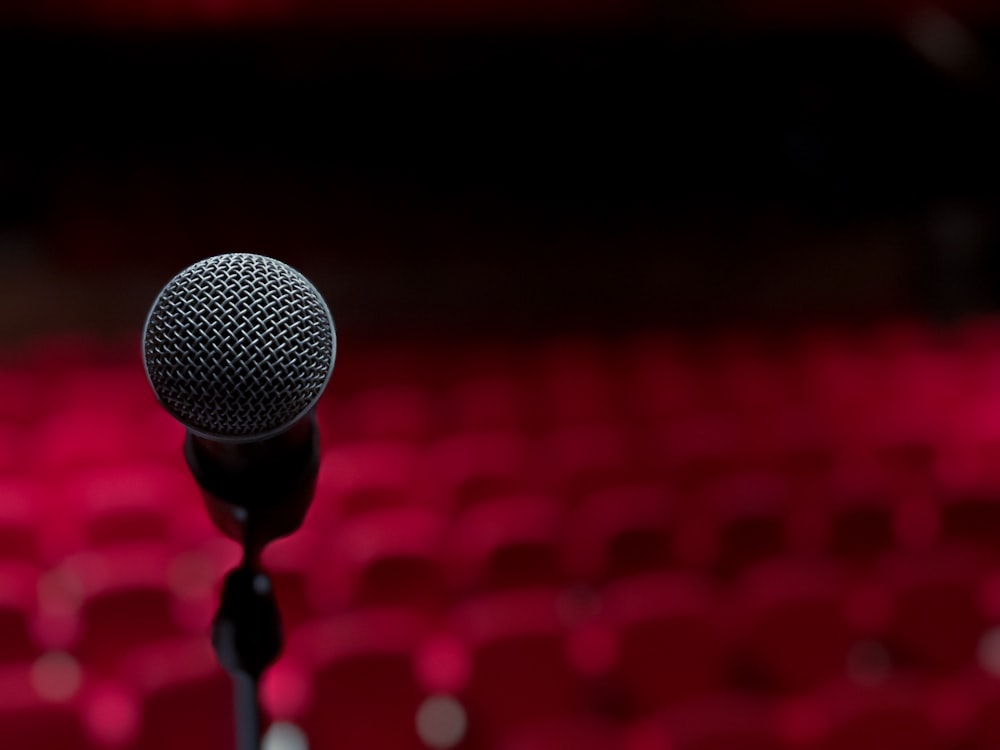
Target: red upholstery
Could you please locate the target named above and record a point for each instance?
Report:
(582, 541)
(669, 643)
(364, 689)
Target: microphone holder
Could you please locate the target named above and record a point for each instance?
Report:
(247, 638)
(254, 493)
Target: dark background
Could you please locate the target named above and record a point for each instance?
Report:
(446, 172)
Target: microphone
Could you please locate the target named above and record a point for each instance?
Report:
(238, 348)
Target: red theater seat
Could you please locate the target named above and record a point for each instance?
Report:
(364, 690)
(80, 437)
(392, 412)
(185, 698)
(854, 514)
(358, 477)
(125, 600)
(18, 612)
(41, 710)
(669, 641)
(696, 447)
(584, 732)
(486, 403)
(22, 395)
(967, 706)
(382, 558)
(579, 460)
(936, 611)
(24, 534)
(621, 531)
(791, 625)
(734, 522)
(744, 373)
(292, 562)
(135, 501)
(520, 667)
(462, 469)
(661, 379)
(724, 721)
(849, 716)
(576, 383)
(508, 542)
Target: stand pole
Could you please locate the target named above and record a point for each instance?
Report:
(246, 635)
(247, 712)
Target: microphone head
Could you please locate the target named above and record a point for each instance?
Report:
(238, 347)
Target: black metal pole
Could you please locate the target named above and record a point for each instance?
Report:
(246, 635)
(247, 711)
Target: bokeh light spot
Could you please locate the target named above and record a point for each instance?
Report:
(441, 722)
(284, 735)
(56, 676)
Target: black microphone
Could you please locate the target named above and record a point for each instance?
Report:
(238, 348)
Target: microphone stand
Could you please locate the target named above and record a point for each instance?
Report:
(254, 493)
(247, 638)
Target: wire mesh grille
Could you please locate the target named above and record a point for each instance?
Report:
(238, 346)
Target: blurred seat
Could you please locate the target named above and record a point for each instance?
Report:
(161, 436)
(836, 373)
(971, 517)
(854, 514)
(734, 522)
(80, 437)
(292, 563)
(121, 386)
(619, 532)
(134, 501)
(520, 669)
(693, 448)
(18, 612)
(851, 716)
(487, 402)
(722, 721)
(967, 706)
(362, 476)
(744, 373)
(40, 706)
(391, 412)
(22, 395)
(364, 690)
(575, 461)
(936, 613)
(185, 699)
(669, 642)
(386, 557)
(507, 542)
(791, 625)
(584, 732)
(124, 598)
(661, 379)
(12, 449)
(464, 468)
(577, 382)
(24, 523)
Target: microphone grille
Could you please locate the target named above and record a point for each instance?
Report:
(238, 346)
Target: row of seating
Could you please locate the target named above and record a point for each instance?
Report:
(369, 697)
(722, 527)
(782, 626)
(639, 545)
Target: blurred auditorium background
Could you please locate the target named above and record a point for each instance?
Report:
(666, 413)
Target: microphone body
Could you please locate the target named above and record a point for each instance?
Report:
(256, 492)
(239, 348)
